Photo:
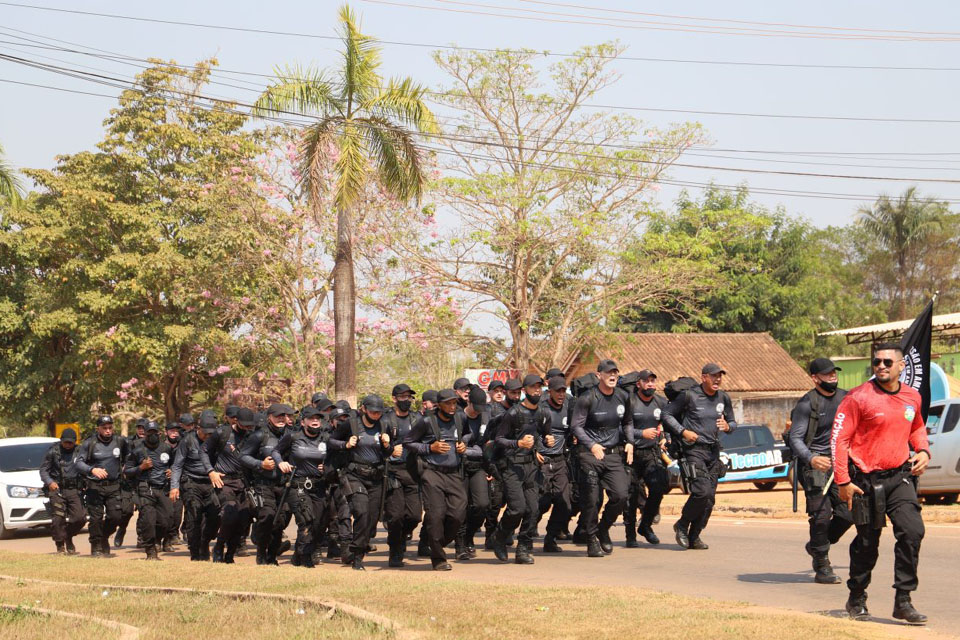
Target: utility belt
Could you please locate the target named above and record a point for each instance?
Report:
(70, 484)
(365, 471)
(439, 469)
(472, 466)
(652, 453)
(607, 451)
(519, 458)
(231, 476)
(308, 483)
(148, 488)
(103, 485)
(871, 507)
(814, 479)
(188, 479)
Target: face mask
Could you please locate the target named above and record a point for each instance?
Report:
(310, 431)
(444, 415)
(104, 438)
(647, 392)
(173, 440)
(829, 387)
(152, 439)
(510, 401)
(404, 405)
(534, 400)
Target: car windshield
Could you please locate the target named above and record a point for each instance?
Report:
(22, 457)
(736, 439)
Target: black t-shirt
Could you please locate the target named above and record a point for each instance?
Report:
(602, 419)
(699, 413)
(646, 415)
(558, 426)
(800, 421)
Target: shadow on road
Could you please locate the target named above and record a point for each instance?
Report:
(777, 578)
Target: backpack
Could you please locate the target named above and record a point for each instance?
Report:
(815, 400)
(583, 384)
(629, 381)
(414, 464)
(675, 387)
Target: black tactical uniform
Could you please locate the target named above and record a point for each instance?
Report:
(696, 410)
(149, 469)
(65, 503)
(191, 477)
(602, 419)
(555, 491)
(306, 451)
(474, 472)
(444, 498)
(224, 450)
(403, 509)
(266, 486)
(497, 496)
(102, 497)
(174, 436)
(362, 479)
(648, 471)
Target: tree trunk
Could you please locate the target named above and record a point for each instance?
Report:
(344, 311)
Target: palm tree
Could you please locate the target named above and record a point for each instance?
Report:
(372, 124)
(900, 227)
(9, 184)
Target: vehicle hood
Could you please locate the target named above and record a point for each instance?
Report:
(22, 478)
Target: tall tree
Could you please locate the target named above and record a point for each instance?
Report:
(550, 198)
(371, 124)
(901, 227)
(9, 183)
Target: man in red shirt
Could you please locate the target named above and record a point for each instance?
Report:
(876, 426)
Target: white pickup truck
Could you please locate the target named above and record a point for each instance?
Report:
(940, 484)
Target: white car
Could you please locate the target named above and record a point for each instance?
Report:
(22, 505)
(940, 484)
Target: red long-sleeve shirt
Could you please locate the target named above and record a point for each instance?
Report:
(873, 427)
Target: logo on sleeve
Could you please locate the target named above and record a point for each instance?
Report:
(116, 452)
(719, 407)
(164, 457)
(909, 413)
(563, 420)
(620, 410)
(322, 447)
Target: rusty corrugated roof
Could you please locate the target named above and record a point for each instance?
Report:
(754, 361)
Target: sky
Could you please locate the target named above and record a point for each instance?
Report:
(37, 124)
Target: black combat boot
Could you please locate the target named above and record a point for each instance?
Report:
(630, 535)
(283, 548)
(203, 554)
(824, 572)
(903, 609)
(61, 549)
(333, 550)
(423, 547)
(550, 544)
(71, 550)
(241, 549)
(358, 563)
(118, 539)
(105, 549)
(152, 552)
(523, 554)
(857, 606)
(461, 548)
(563, 535)
(603, 535)
(648, 534)
(470, 547)
(261, 555)
(396, 559)
(580, 536)
(698, 544)
(499, 547)
(168, 546)
(218, 552)
(593, 548)
(306, 557)
(229, 554)
(441, 565)
(680, 530)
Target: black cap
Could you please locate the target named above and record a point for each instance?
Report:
(231, 410)
(401, 388)
(430, 395)
(323, 405)
(174, 426)
(461, 383)
(447, 394)
(478, 397)
(246, 417)
(513, 384)
(712, 368)
(643, 374)
(151, 426)
(823, 365)
(310, 411)
(496, 384)
(141, 422)
(338, 412)
(606, 366)
(343, 404)
(532, 379)
(187, 418)
(208, 421)
(68, 435)
(317, 397)
(102, 420)
(260, 420)
(373, 402)
(279, 409)
(557, 383)
(553, 373)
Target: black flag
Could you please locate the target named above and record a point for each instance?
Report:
(916, 351)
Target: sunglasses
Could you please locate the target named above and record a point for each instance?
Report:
(886, 362)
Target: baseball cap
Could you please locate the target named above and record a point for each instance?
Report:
(712, 368)
(461, 383)
(478, 397)
(531, 379)
(208, 421)
(68, 435)
(557, 383)
(102, 420)
(310, 411)
(513, 384)
(553, 373)
(643, 374)
(430, 395)
(187, 418)
(231, 410)
(496, 384)
(823, 365)
(401, 388)
(373, 402)
(323, 405)
(447, 394)
(606, 366)
(280, 409)
(317, 397)
(246, 417)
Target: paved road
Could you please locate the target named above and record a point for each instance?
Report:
(752, 560)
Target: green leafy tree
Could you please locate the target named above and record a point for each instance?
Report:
(370, 125)
(9, 183)
(135, 262)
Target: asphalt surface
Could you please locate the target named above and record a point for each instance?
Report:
(751, 560)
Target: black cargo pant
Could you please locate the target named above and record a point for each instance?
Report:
(555, 493)
(608, 474)
(903, 510)
(828, 516)
(234, 514)
(66, 513)
(308, 501)
(128, 504)
(104, 510)
(647, 473)
(522, 491)
(703, 489)
(362, 486)
(156, 511)
(478, 499)
(497, 501)
(176, 520)
(268, 496)
(444, 508)
(403, 508)
(202, 511)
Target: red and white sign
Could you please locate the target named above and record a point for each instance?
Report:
(483, 377)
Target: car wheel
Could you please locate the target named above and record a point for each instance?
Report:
(4, 532)
(765, 486)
